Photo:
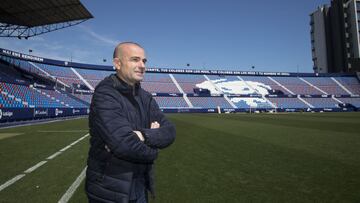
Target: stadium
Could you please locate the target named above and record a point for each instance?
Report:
(242, 136)
(53, 88)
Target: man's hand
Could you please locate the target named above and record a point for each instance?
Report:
(139, 134)
(154, 125)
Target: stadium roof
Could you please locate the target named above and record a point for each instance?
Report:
(23, 18)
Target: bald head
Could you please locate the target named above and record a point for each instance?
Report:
(118, 51)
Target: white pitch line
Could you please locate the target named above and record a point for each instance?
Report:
(84, 137)
(54, 155)
(71, 190)
(65, 148)
(74, 143)
(33, 168)
(11, 181)
(70, 145)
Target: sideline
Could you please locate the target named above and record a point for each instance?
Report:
(71, 190)
(41, 163)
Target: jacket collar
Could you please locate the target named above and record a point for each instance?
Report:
(123, 87)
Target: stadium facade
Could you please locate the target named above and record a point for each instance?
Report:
(335, 37)
(34, 87)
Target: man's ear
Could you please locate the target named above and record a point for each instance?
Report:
(117, 63)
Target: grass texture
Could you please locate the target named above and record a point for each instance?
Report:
(309, 157)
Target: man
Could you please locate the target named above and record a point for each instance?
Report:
(127, 130)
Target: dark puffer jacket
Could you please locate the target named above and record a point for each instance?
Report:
(119, 163)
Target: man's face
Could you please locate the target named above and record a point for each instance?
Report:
(130, 66)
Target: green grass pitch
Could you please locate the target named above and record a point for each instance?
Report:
(309, 157)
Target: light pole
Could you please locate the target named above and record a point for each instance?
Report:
(30, 51)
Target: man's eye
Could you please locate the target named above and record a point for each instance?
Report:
(135, 59)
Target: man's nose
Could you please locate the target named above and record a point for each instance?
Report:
(142, 65)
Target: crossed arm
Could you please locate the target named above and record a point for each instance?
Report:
(153, 125)
(111, 124)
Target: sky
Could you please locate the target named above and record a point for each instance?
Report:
(271, 36)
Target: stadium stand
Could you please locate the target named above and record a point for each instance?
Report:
(283, 103)
(297, 86)
(57, 86)
(209, 102)
(9, 97)
(322, 102)
(84, 97)
(64, 99)
(327, 85)
(27, 91)
(158, 87)
(159, 83)
(349, 100)
(230, 85)
(171, 102)
(251, 102)
(350, 83)
(64, 75)
(93, 76)
(263, 84)
(189, 82)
